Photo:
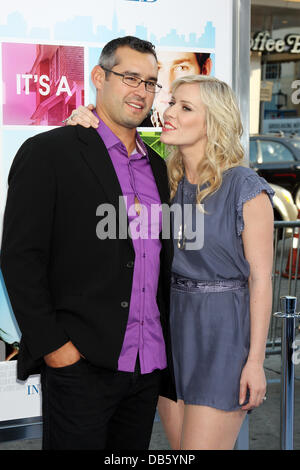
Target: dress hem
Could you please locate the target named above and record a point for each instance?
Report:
(205, 403)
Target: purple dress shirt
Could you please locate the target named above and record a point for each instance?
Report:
(143, 334)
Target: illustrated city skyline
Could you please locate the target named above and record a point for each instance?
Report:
(81, 28)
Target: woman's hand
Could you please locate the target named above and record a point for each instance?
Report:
(253, 379)
(83, 115)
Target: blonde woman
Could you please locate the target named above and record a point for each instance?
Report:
(221, 293)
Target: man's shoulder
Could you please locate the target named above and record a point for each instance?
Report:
(60, 134)
(64, 140)
(57, 146)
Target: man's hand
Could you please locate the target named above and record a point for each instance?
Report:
(65, 356)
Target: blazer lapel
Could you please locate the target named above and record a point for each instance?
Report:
(97, 158)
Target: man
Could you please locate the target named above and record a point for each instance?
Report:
(172, 65)
(93, 310)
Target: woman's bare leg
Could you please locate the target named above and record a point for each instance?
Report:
(171, 414)
(206, 428)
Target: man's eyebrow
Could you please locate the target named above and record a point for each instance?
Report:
(177, 61)
(136, 74)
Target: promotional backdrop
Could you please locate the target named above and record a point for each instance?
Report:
(46, 56)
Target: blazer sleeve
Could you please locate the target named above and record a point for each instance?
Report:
(26, 245)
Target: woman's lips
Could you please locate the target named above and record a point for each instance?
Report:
(168, 127)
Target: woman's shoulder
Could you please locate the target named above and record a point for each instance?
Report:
(245, 183)
(240, 173)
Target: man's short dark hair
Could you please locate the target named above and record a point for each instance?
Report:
(201, 59)
(108, 57)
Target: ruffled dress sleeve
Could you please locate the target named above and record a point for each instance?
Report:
(250, 187)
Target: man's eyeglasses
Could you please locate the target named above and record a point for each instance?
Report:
(134, 82)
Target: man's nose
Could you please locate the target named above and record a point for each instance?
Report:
(141, 89)
(165, 79)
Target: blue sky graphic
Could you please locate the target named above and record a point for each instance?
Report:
(80, 29)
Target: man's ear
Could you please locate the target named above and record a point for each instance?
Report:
(206, 67)
(98, 76)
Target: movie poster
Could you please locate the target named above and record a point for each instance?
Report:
(46, 55)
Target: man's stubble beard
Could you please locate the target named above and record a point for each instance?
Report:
(131, 123)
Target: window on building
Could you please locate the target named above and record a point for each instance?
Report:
(57, 66)
(277, 65)
(273, 71)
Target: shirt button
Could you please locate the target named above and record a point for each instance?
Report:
(124, 304)
(130, 264)
(143, 290)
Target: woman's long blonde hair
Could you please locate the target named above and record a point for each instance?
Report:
(224, 130)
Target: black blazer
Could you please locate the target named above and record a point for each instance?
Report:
(64, 283)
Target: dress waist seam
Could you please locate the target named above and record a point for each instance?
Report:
(207, 286)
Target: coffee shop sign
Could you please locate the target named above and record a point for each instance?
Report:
(262, 42)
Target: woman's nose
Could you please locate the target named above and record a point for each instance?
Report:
(168, 114)
(171, 110)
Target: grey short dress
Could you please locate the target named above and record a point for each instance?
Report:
(210, 318)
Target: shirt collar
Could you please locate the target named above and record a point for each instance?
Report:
(110, 139)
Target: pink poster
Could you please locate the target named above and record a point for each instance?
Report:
(42, 84)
